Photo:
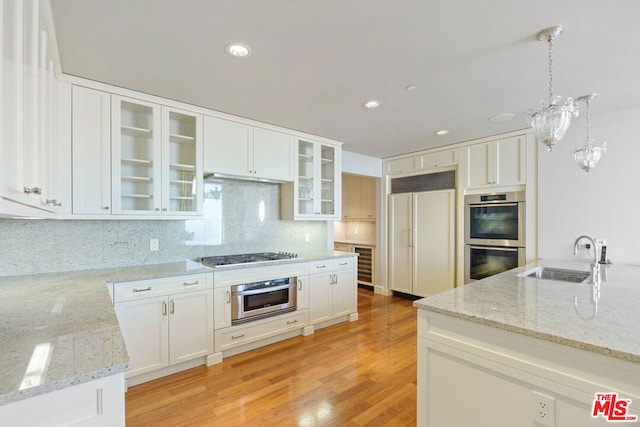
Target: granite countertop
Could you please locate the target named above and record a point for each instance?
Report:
(60, 329)
(545, 309)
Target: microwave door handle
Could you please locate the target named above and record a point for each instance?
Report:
(264, 290)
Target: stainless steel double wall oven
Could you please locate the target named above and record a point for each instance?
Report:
(494, 233)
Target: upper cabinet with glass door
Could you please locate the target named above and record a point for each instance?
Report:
(136, 157)
(182, 162)
(315, 194)
(156, 161)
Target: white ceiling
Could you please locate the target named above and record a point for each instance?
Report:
(315, 62)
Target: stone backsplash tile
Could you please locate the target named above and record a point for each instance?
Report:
(231, 224)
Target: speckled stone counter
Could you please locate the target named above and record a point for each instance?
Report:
(555, 311)
(60, 329)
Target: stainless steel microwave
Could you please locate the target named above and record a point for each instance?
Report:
(495, 219)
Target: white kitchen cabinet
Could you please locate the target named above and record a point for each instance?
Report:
(315, 194)
(28, 112)
(165, 321)
(91, 151)
(496, 163)
(248, 333)
(156, 161)
(222, 307)
(303, 292)
(239, 150)
(358, 197)
(332, 289)
(422, 242)
(431, 160)
(272, 155)
(98, 402)
(181, 162)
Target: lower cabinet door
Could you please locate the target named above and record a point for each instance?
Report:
(342, 293)
(320, 301)
(190, 325)
(144, 325)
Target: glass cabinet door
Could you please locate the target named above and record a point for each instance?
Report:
(306, 178)
(136, 157)
(327, 179)
(181, 162)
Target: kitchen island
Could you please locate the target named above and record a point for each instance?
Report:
(511, 350)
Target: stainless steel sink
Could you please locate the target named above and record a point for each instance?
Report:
(574, 276)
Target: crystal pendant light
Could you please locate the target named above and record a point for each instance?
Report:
(551, 120)
(588, 156)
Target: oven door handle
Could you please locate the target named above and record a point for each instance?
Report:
(264, 290)
(496, 248)
(492, 205)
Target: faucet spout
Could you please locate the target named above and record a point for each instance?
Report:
(595, 267)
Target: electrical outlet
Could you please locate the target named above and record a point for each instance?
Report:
(544, 409)
(154, 245)
(307, 237)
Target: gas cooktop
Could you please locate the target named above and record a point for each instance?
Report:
(214, 261)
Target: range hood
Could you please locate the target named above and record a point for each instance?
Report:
(217, 175)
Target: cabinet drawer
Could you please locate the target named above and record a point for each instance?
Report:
(128, 291)
(330, 265)
(259, 329)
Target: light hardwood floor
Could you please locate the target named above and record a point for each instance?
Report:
(351, 374)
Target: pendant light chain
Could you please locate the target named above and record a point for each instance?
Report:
(550, 69)
(588, 123)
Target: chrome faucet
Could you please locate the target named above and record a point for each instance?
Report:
(595, 267)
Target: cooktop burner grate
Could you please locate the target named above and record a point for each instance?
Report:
(213, 261)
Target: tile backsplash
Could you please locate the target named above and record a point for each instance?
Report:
(238, 217)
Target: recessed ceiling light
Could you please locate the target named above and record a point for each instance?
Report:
(238, 50)
(442, 132)
(372, 104)
(502, 117)
(410, 88)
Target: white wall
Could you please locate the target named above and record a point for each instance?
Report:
(605, 204)
(360, 164)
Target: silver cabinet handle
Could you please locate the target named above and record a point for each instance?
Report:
(164, 308)
(228, 295)
(34, 190)
(164, 209)
(292, 322)
(344, 263)
(190, 284)
(105, 208)
(321, 266)
(53, 202)
(299, 284)
(235, 337)
(172, 307)
(148, 288)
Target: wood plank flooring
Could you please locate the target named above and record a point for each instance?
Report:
(352, 374)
